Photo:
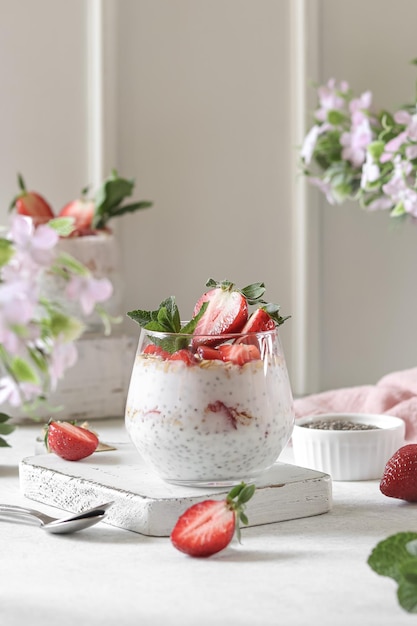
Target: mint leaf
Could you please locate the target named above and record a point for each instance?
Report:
(273, 311)
(407, 589)
(253, 293)
(388, 555)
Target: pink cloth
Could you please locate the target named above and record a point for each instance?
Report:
(394, 394)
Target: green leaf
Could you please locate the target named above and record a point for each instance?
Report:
(3, 443)
(411, 547)
(273, 311)
(398, 210)
(109, 198)
(22, 371)
(6, 251)
(4, 417)
(253, 293)
(62, 225)
(375, 149)
(246, 493)
(388, 555)
(68, 262)
(70, 328)
(6, 429)
(408, 570)
(407, 596)
(335, 117)
(131, 208)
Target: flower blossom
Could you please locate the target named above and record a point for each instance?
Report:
(331, 98)
(310, 141)
(89, 291)
(356, 141)
(399, 189)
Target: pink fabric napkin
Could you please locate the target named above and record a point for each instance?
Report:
(394, 394)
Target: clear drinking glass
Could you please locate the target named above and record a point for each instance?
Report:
(205, 421)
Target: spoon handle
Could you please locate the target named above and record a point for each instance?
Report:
(12, 509)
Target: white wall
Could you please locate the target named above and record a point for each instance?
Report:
(368, 262)
(199, 106)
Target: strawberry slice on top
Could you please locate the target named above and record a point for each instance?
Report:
(227, 312)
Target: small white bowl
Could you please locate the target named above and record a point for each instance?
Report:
(348, 454)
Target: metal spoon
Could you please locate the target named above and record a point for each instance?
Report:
(59, 526)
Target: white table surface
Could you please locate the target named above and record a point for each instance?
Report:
(301, 572)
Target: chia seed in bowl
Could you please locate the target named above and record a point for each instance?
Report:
(338, 424)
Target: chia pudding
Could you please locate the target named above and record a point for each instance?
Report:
(212, 421)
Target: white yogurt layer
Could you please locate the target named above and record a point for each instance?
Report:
(213, 421)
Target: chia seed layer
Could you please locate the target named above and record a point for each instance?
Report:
(213, 421)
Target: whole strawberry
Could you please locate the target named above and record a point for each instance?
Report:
(69, 441)
(400, 474)
(31, 204)
(208, 527)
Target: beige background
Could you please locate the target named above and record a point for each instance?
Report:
(201, 102)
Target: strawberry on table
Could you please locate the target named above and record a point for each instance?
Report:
(209, 526)
(31, 204)
(399, 479)
(69, 441)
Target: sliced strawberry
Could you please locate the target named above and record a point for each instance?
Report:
(156, 351)
(183, 355)
(239, 353)
(227, 312)
(209, 526)
(32, 204)
(69, 441)
(259, 321)
(207, 353)
(82, 211)
(399, 479)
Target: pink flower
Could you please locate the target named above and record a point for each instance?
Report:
(63, 356)
(370, 171)
(325, 187)
(355, 143)
(16, 394)
(331, 98)
(89, 291)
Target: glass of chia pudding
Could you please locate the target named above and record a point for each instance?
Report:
(209, 410)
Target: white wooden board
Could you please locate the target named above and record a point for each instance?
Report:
(145, 504)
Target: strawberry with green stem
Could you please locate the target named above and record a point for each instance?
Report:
(69, 441)
(91, 215)
(32, 204)
(209, 526)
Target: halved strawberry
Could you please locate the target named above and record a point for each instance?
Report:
(82, 211)
(259, 321)
(399, 479)
(209, 526)
(239, 353)
(183, 355)
(32, 204)
(155, 350)
(227, 312)
(69, 441)
(207, 353)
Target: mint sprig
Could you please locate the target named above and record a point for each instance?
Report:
(166, 319)
(396, 557)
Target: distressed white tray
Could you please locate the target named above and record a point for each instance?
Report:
(145, 504)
